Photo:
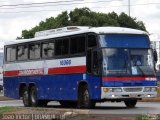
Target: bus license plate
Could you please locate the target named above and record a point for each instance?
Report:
(133, 95)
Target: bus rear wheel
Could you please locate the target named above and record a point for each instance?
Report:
(33, 99)
(33, 96)
(84, 98)
(130, 103)
(25, 98)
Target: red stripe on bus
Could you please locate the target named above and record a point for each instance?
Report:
(123, 78)
(67, 70)
(11, 73)
(59, 70)
(26, 72)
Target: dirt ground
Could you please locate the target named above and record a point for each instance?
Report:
(21, 113)
(59, 114)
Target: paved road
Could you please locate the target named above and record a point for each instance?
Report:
(104, 108)
(119, 108)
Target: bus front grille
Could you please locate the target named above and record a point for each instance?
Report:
(132, 89)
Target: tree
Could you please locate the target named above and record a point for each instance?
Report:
(131, 22)
(85, 17)
(62, 20)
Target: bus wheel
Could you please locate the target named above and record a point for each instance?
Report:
(130, 103)
(84, 98)
(33, 96)
(25, 98)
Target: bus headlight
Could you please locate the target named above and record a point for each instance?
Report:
(105, 90)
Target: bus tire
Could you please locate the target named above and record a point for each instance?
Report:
(130, 103)
(33, 99)
(25, 98)
(84, 100)
(33, 96)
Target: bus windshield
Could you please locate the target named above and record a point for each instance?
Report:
(120, 62)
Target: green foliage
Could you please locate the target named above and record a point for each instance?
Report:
(126, 21)
(142, 117)
(6, 109)
(84, 17)
(148, 117)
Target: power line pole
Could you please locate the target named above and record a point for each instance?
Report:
(129, 7)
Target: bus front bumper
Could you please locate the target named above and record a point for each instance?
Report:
(128, 92)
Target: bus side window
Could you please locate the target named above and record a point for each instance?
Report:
(92, 41)
(65, 47)
(62, 47)
(11, 54)
(77, 44)
(92, 62)
(92, 57)
(47, 50)
(50, 49)
(22, 52)
(34, 51)
(58, 45)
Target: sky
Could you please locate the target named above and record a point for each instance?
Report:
(15, 16)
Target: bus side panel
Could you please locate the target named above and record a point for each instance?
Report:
(54, 87)
(94, 84)
(58, 87)
(11, 87)
(51, 87)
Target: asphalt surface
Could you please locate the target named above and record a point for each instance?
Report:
(102, 108)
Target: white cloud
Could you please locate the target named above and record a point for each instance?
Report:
(148, 13)
(12, 24)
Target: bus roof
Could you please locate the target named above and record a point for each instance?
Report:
(80, 30)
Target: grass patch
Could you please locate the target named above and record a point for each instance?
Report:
(6, 109)
(148, 117)
(142, 117)
(158, 91)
